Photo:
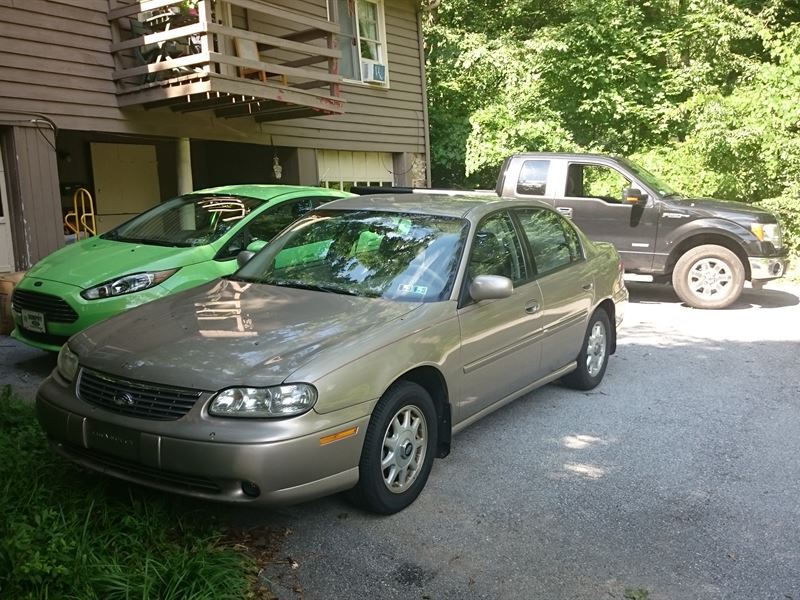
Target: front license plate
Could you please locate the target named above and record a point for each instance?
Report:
(111, 439)
(33, 321)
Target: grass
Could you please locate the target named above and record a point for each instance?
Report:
(66, 534)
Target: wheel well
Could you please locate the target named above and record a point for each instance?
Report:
(433, 381)
(708, 238)
(611, 310)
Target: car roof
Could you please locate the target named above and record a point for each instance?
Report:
(447, 205)
(266, 192)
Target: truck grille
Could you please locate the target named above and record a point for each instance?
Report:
(135, 398)
(54, 308)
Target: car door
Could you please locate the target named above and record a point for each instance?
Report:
(592, 198)
(500, 349)
(565, 280)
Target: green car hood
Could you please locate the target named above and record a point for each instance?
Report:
(96, 260)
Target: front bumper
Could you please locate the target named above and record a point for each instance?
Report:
(172, 456)
(764, 269)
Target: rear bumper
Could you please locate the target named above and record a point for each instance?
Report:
(764, 269)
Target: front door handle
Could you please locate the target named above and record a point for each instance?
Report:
(588, 287)
(531, 307)
(565, 210)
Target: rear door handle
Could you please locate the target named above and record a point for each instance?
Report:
(565, 210)
(531, 307)
(588, 287)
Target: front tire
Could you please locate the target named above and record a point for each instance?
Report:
(709, 277)
(593, 357)
(398, 449)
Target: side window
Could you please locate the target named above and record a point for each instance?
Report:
(553, 242)
(496, 249)
(533, 177)
(595, 181)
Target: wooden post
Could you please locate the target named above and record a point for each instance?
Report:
(184, 156)
(333, 44)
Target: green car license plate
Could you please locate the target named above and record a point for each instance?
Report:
(33, 321)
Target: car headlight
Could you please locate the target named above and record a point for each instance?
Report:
(277, 401)
(67, 363)
(127, 284)
(768, 232)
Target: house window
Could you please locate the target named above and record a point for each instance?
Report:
(362, 41)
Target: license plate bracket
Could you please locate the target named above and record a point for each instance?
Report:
(34, 321)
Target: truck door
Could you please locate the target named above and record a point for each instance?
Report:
(592, 198)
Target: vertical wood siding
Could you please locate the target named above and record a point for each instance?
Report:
(33, 179)
(55, 60)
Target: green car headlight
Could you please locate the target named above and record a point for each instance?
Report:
(127, 284)
(67, 363)
(278, 401)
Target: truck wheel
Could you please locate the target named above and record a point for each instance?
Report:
(708, 276)
(593, 357)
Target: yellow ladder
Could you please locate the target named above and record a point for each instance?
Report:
(78, 222)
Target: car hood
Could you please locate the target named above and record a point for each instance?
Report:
(93, 261)
(731, 210)
(228, 333)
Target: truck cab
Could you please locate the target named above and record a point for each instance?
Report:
(706, 248)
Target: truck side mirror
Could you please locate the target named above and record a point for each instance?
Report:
(634, 196)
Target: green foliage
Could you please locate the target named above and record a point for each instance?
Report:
(67, 535)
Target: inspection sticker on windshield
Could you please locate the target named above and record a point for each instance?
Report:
(417, 290)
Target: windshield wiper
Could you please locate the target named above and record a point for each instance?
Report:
(314, 287)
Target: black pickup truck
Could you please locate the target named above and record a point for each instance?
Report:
(706, 248)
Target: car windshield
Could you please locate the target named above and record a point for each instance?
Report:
(193, 220)
(649, 179)
(396, 256)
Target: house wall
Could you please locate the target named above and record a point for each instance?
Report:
(55, 60)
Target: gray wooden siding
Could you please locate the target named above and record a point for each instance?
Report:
(55, 60)
(33, 193)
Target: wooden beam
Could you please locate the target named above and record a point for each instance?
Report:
(304, 62)
(161, 36)
(139, 7)
(271, 41)
(272, 67)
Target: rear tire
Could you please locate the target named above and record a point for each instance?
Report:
(708, 277)
(398, 450)
(593, 357)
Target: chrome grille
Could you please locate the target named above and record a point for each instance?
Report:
(135, 398)
(54, 308)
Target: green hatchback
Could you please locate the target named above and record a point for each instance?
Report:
(179, 244)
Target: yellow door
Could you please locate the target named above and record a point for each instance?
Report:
(125, 182)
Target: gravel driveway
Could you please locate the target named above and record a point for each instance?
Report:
(677, 478)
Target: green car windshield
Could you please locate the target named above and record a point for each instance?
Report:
(185, 221)
(396, 256)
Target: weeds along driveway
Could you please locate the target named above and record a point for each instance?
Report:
(676, 478)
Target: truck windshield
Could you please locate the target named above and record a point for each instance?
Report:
(649, 179)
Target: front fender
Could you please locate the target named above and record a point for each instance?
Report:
(715, 227)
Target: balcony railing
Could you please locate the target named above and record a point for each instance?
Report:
(189, 55)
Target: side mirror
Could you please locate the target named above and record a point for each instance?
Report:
(244, 257)
(634, 196)
(256, 245)
(490, 287)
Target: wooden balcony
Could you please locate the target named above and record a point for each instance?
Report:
(194, 59)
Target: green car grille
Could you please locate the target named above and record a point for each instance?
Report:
(55, 309)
